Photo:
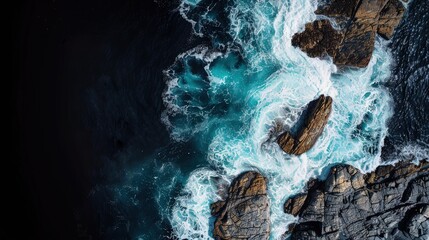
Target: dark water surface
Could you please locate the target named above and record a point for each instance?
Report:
(89, 104)
(409, 84)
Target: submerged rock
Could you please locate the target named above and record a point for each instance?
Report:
(390, 203)
(359, 21)
(315, 119)
(245, 213)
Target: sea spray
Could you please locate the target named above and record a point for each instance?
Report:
(228, 98)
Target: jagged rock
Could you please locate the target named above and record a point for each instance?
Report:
(390, 203)
(389, 18)
(318, 39)
(293, 205)
(245, 213)
(216, 207)
(416, 221)
(316, 117)
(359, 21)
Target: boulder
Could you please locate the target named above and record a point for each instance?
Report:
(359, 21)
(314, 120)
(245, 213)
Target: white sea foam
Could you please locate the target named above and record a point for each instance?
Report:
(191, 213)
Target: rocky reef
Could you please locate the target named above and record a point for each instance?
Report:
(314, 120)
(391, 202)
(358, 21)
(245, 213)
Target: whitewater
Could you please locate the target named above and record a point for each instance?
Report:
(230, 96)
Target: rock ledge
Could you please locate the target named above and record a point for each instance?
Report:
(390, 203)
(245, 213)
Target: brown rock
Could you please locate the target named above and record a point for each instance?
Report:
(294, 205)
(357, 46)
(369, 10)
(245, 212)
(389, 18)
(286, 142)
(318, 39)
(316, 117)
(359, 21)
(338, 8)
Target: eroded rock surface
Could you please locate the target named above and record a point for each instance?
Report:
(245, 213)
(358, 22)
(317, 115)
(390, 203)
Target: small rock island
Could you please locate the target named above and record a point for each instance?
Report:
(358, 22)
(314, 120)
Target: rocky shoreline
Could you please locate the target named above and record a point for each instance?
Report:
(245, 213)
(391, 202)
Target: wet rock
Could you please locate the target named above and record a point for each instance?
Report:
(391, 202)
(390, 17)
(358, 22)
(245, 213)
(293, 205)
(315, 118)
(318, 39)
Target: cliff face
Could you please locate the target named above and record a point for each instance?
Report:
(359, 22)
(390, 203)
(315, 119)
(245, 213)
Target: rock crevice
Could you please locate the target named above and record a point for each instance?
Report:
(392, 202)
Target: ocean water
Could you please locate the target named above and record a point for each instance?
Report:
(227, 99)
(230, 96)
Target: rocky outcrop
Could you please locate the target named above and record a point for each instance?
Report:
(318, 39)
(359, 21)
(245, 213)
(314, 120)
(390, 203)
(390, 17)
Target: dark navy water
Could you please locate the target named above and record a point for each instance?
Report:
(409, 84)
(154, 157)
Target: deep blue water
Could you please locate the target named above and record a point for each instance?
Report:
(210, 109)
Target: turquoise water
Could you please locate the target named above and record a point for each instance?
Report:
(227, 98)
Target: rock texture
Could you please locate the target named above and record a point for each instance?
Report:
(315, 118)
(245, 213)
(359, 21)
(390, 203)
(318, 39)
